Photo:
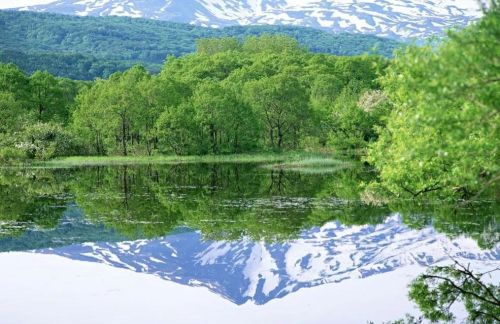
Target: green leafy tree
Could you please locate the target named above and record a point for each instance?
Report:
(157, 94)
(12, 114)
(112, 111)
(356, 114)
(90, 119)
(178, 132)
(443, 137)
(14, 81)
(229, 122)
(46, 95)
(283, 103)
(271, 43)
(210, 46)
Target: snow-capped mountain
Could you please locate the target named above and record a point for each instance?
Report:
(244, 271)
(390, 18)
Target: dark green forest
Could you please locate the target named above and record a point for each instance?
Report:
(84, 48)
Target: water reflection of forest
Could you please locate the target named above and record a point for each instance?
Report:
(223, 201)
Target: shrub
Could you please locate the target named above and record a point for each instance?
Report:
(43, 141)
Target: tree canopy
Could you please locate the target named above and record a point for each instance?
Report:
(442, 136)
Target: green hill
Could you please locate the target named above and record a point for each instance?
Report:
(89, 47)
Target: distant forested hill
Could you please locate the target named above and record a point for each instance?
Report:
(89, 47)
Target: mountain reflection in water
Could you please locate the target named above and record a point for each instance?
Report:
(245, 270)
(243, 231)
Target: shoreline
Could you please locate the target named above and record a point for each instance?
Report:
(284, 160)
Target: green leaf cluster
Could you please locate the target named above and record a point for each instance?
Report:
(267, 93)
(442, 138)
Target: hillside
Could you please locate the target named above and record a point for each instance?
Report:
(89, 47)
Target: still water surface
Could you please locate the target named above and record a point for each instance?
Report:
(245, 232)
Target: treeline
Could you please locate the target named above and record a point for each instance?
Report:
(84, 48)
(70, 65)
(266, 93)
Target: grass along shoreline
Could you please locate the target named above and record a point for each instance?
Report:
(292, 160)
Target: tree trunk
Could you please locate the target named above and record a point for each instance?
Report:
(40, 111)
(271, 136)
(124, 137)
(213, 138)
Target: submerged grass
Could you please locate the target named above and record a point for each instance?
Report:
(292, 160)
(312, 164)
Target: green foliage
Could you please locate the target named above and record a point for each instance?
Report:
(88, 47)
(210, 46)
(443, 286)
(111, 114)
(14, 81)
(442, 138)
(356, 117)
(33, 111)
(46, 95)
(268, 43)
(282, 102)
(44, 141)
(177, 130)
(229, 98)
(11, 155)
(11, 113)
(66, 63)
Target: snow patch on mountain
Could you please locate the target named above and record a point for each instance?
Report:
(389, 18)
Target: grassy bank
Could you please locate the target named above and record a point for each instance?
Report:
(282, 160)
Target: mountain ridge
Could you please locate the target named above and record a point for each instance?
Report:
(400, 19)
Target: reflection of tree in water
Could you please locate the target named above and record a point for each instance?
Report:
(231, 201)
(228, 201)
(31, 199)
(120, 198)
(478, 220)
(277, 185)
(223, 201)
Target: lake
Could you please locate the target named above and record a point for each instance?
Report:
(221, 243)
